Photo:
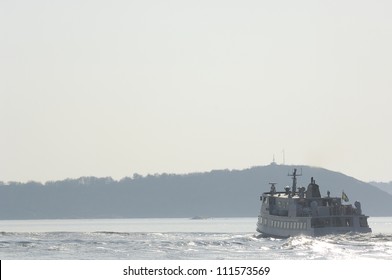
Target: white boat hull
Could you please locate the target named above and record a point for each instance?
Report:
(284, 228)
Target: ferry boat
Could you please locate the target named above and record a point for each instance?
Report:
(304, 212)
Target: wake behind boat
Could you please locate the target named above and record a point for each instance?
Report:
(304, 212)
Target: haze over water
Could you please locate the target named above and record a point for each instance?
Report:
(92, 88)
(98, 88)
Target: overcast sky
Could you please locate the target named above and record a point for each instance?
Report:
(112, 88)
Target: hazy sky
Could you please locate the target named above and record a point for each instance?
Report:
(112, 88)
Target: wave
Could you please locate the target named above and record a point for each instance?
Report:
(189, 245)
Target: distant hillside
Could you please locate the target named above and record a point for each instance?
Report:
(386, 187)
(220, 193)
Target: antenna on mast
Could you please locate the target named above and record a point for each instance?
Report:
(294, 176)
(273, 160)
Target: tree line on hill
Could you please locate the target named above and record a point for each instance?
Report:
(218, 193)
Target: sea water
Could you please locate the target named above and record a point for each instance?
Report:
(181, 239)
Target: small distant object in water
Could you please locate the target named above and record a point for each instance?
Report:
(199, 218)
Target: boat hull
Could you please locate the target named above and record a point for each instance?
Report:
(272, 231)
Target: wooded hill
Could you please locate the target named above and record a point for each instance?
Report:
(220, 193)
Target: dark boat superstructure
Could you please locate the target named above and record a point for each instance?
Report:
(299, 211)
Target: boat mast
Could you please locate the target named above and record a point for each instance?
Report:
(294, 176)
